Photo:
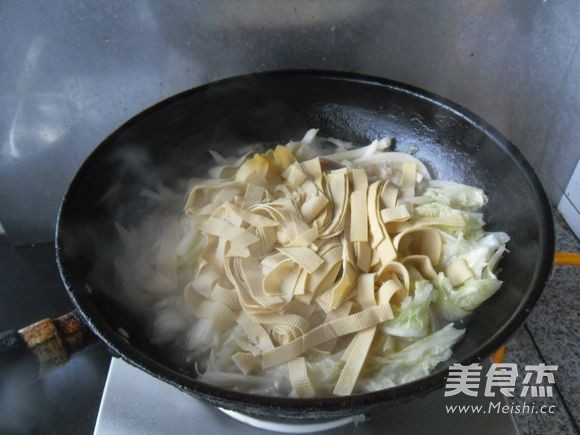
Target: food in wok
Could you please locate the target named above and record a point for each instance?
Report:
(312, 269)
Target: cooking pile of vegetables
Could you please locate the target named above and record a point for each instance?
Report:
(303, 272)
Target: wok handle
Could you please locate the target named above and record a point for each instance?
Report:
(35, 350)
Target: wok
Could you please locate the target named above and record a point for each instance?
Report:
(169, 139)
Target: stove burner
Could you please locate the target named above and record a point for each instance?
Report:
(276, 426)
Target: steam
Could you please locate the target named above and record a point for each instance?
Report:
(20, 410)
(134, 265)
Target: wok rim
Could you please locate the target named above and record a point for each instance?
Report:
(283, 405)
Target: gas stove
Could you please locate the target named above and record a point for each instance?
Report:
(136, 403)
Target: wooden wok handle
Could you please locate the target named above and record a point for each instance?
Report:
(37, 349)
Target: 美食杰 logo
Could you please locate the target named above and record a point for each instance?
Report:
(537, 381)
(466, 380)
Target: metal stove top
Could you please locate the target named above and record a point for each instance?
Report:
(136, 403)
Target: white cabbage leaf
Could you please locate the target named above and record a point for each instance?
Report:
(454, 303)
(413, 317)
(360, 153)
(413, 362)
(456, 195)
(324, 372)
(477, 253)
(222, 372)
(227, 166)
(171, 320)
(306, 148)
(473, 221)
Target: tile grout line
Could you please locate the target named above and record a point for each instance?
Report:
(571, 203)
(556, 386)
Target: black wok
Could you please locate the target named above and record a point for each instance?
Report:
(174, 136)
